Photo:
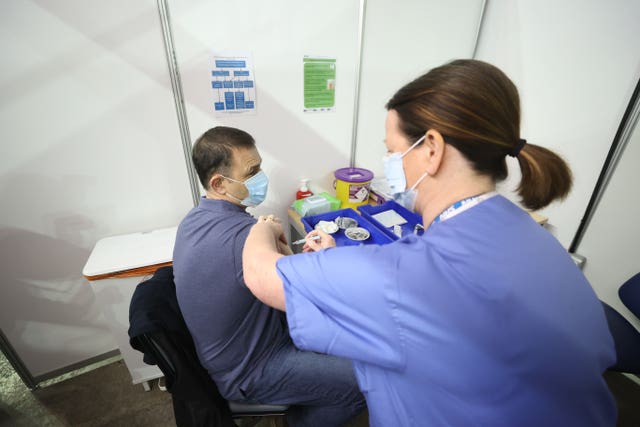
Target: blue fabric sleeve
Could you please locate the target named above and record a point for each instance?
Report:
(241, 235)
(340, 301)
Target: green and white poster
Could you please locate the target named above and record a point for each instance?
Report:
(319, 84)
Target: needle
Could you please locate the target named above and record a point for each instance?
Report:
(301, 241)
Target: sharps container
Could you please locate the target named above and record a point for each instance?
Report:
(352, 186)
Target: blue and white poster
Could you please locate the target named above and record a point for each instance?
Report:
(233, 84)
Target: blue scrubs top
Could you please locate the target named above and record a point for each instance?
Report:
(482, 320)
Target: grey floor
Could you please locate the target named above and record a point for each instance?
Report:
(102, 395)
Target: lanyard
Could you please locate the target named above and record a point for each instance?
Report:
(463, 205)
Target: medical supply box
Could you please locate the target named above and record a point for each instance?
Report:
(391, 214)
(376, 236)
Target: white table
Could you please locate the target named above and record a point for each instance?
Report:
(115, 267)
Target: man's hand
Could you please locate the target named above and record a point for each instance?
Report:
(278, 232)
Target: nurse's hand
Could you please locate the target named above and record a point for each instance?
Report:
(325, 241)
(269, 218)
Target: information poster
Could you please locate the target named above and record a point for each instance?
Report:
(319, 84)
(233, 84)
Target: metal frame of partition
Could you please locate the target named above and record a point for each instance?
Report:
(17, 363)
(178, 97)
(620, 141)
(483, 8)
(356, 97)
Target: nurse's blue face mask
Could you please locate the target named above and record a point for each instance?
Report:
(397, 181)
(257, 187)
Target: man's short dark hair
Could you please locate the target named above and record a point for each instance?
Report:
(213, 152)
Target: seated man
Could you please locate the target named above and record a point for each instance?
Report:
(244, 344)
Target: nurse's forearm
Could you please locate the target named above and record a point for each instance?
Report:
(259, 266)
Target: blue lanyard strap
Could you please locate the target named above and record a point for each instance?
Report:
(462, 205)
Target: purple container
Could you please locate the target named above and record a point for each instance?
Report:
(353, 174)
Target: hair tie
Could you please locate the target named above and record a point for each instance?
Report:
(517, 148)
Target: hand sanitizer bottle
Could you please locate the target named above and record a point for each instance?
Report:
(303, 192)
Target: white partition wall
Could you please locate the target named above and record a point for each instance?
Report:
(399, 43)
(93, 146)
(576, 64)
(402, 41)
(277, 35)
(90, 148)
(610, 244)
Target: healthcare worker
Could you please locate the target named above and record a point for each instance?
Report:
(482, 320)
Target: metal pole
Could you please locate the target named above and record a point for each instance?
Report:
(16, 363)
(479, 29)
(620, 141)
(356, 98)
(178, 98)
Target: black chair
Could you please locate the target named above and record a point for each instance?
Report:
(626, 340)
(629, 294)
(157, 329)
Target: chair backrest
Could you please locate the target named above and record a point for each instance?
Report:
(157, 329)
(629, 294)
(196, 400)
(626, 340)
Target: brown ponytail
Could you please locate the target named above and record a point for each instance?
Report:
(545, 177)
(476, 108)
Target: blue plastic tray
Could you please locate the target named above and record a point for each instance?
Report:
(377, 236)
(367, 212)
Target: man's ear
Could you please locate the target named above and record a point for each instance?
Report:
(215, 184)
(435, 146)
